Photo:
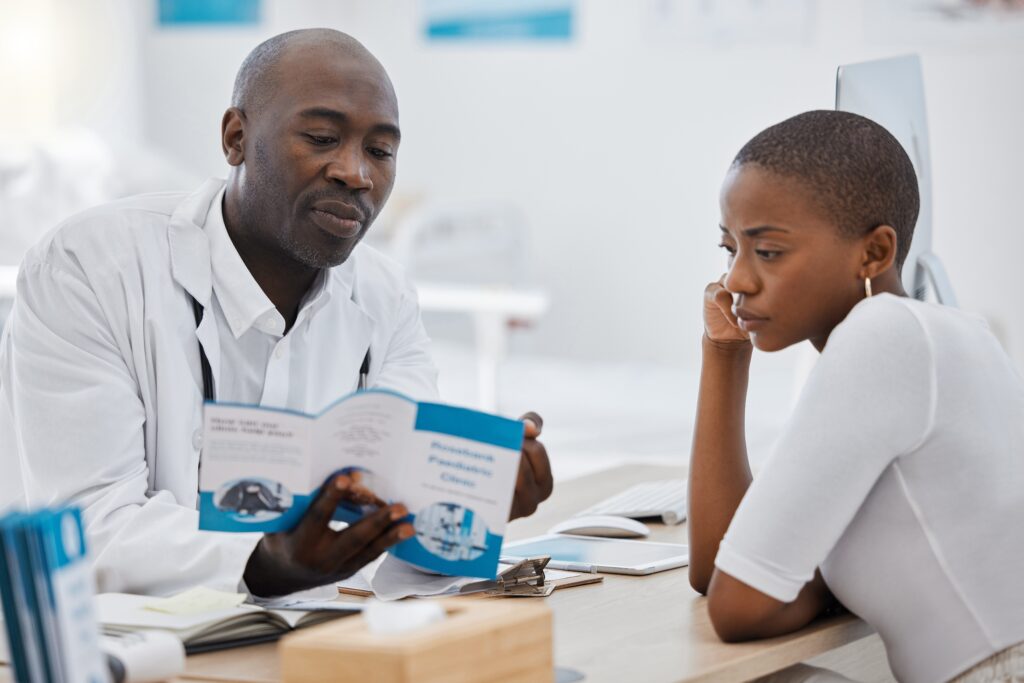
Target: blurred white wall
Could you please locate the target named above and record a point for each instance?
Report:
(66, 63)
(613, 144)
(71, 102)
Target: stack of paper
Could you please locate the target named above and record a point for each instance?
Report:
(393, 579)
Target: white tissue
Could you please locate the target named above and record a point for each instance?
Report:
(399, 617)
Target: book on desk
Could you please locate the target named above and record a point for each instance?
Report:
(244, 624)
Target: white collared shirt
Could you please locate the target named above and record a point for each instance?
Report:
(260, 364)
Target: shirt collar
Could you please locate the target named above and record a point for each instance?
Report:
(243, 301)
(239, 295)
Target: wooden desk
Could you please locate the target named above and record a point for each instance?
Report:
(628, 628)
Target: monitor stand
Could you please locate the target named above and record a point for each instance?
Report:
(929, 273)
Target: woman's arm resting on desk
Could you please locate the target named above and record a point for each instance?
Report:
(739, 612)
(719, 471)
(719, 478)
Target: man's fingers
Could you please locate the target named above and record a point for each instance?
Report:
(524, 502)
(532, 430)
(533, 483)
(349, 542)
(393, 536)
(535, 455)
(361, 495)
(320, 513)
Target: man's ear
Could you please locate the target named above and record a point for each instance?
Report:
(879, 251)
(232, 136)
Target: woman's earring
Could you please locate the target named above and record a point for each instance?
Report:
(867, 287)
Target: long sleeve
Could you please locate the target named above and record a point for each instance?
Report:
(77, 419)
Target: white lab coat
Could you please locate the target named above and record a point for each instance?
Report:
(101, 388)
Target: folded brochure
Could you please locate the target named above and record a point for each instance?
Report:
(455, 470)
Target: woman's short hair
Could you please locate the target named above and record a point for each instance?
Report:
(856, 170)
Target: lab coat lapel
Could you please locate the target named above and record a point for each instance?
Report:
(355, 329)
(190, 262)
(189, 246)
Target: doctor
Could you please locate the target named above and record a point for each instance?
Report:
(256, 290)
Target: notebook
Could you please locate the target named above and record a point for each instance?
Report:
(245, 624)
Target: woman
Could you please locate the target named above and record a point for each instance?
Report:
(897, 488)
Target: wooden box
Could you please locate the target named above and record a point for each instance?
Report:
(479, 641)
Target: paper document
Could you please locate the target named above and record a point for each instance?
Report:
(454, 468)
(394, 580)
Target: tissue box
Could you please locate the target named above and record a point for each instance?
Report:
(480, 640)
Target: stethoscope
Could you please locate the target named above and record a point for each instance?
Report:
(208, 388)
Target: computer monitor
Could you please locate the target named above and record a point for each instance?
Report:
(890, 92)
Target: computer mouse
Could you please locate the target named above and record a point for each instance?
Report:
(610, 526)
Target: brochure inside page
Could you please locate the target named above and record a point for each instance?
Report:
(457, 480)
(365, 436)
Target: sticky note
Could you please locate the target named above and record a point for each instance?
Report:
(197, 601)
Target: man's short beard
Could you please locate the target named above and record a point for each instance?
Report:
(308, 256)
(257, 205)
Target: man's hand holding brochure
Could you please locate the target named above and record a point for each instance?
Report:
(439, 480)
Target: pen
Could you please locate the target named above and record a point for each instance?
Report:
(556, 564)
(572, 567)
(364, 372)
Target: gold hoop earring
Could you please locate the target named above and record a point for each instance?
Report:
(867, 287)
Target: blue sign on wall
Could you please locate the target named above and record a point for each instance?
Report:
(500, 20)
(201, 12)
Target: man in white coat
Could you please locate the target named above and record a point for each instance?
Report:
(254, 291)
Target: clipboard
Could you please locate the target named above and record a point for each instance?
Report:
(523, 579)
(528, 577)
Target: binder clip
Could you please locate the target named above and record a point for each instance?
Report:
(524, 579)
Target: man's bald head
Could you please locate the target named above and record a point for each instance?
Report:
(259, 74)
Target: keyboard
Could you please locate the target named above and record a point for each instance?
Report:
(665, 499)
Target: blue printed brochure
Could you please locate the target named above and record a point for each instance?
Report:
(454, 469)
(46, 586)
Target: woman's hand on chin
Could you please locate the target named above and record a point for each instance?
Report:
(720, 324)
